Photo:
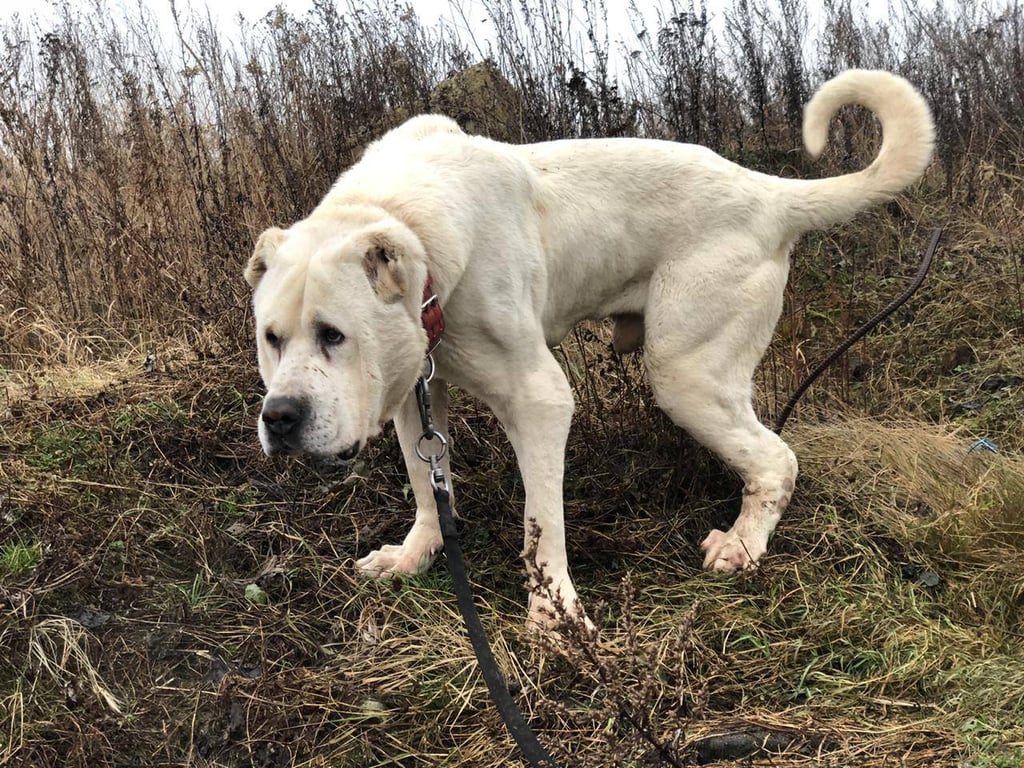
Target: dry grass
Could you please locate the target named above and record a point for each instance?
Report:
(886, 620)
(171, 597)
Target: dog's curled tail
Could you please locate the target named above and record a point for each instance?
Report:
(908, 136)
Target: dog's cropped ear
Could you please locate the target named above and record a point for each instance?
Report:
(265, 249)
(386, 266)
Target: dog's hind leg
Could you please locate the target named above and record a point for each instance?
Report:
(709, 321)
(421, 545)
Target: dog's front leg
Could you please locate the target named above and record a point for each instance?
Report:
(421, 545)
(535, 407)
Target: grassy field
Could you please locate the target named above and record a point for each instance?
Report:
(169, 596)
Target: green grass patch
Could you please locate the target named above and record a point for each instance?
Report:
(67, 447)
(17, 558)
(143, 415)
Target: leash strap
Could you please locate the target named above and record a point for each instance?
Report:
(525, 738)
(922, 271)
(433, 321)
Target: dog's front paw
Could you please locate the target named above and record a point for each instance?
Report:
(415, 555)
(552, 608)
(728, 553)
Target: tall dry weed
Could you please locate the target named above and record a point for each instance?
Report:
(135, 172)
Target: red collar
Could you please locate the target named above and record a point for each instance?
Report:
(432, 316)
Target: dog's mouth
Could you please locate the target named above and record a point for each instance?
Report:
(283, 447)
(275, 446)
(349, 453)
(333, 462)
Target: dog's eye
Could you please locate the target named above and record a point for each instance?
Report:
(272, 338)
(331, 336)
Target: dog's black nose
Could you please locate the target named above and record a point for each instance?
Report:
(283, 415)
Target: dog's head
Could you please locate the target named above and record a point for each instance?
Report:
(338, 332)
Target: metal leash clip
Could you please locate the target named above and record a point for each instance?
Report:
(437, 478)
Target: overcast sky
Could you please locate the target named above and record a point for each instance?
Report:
(428, 10)
(456, 13)
(452, 12)
(460, 14)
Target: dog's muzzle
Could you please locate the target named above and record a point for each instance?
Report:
(284, 418)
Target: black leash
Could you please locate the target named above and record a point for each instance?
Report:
(922, 271)
(516, 724)
(525, 738)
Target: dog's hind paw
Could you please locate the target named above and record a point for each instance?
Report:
(728, 553)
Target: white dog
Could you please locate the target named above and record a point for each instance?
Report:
(686, 250)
